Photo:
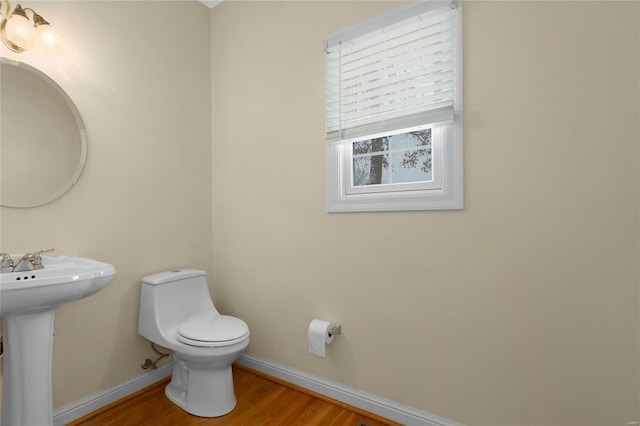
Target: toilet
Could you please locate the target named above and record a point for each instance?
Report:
(176, 312)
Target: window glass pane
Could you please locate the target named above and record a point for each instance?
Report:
(411, 166)
(371, 170)
(370, 145)
(415, 139)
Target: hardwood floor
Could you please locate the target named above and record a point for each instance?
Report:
(262, 400)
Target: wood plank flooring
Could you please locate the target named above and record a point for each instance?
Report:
(262, 400)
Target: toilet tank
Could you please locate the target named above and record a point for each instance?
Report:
(168, 299)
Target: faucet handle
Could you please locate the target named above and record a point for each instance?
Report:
(45, 250)
(37, 260)
(6, 263)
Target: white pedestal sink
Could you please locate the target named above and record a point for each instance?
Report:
(27, 303)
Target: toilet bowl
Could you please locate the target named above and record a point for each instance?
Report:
(176, 311)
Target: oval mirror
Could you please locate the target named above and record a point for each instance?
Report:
(43, 142)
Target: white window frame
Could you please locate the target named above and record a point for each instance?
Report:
(447, 156)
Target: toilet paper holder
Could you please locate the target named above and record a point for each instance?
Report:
(336, 329)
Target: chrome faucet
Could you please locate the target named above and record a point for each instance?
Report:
(6, 263)
(25, 264)
(31, 261)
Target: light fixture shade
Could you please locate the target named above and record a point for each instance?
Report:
(49, 39)
(17, 30)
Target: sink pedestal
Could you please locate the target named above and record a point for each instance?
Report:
(28, 347)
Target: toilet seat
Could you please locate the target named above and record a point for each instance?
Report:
(213, 330)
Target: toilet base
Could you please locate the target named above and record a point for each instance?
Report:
(205, 395)
(202, 387)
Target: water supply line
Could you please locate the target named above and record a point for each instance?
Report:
(148, 363)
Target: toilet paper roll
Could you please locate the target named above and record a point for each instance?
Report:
(319, 336)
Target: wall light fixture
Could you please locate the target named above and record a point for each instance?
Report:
(19, 32)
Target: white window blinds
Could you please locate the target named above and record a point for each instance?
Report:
(393, 72)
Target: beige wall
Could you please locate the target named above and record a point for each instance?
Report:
(520, 310)
(143, 202)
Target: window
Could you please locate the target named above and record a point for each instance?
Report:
(394, 113)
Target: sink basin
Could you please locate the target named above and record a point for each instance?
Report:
(28, 300)
(64, 279)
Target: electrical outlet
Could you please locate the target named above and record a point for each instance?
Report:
(632, 423)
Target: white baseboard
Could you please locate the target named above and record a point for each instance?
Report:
(371, 403)
(94, 402)
(365, 401)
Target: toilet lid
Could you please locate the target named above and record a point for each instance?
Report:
(213, 330)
